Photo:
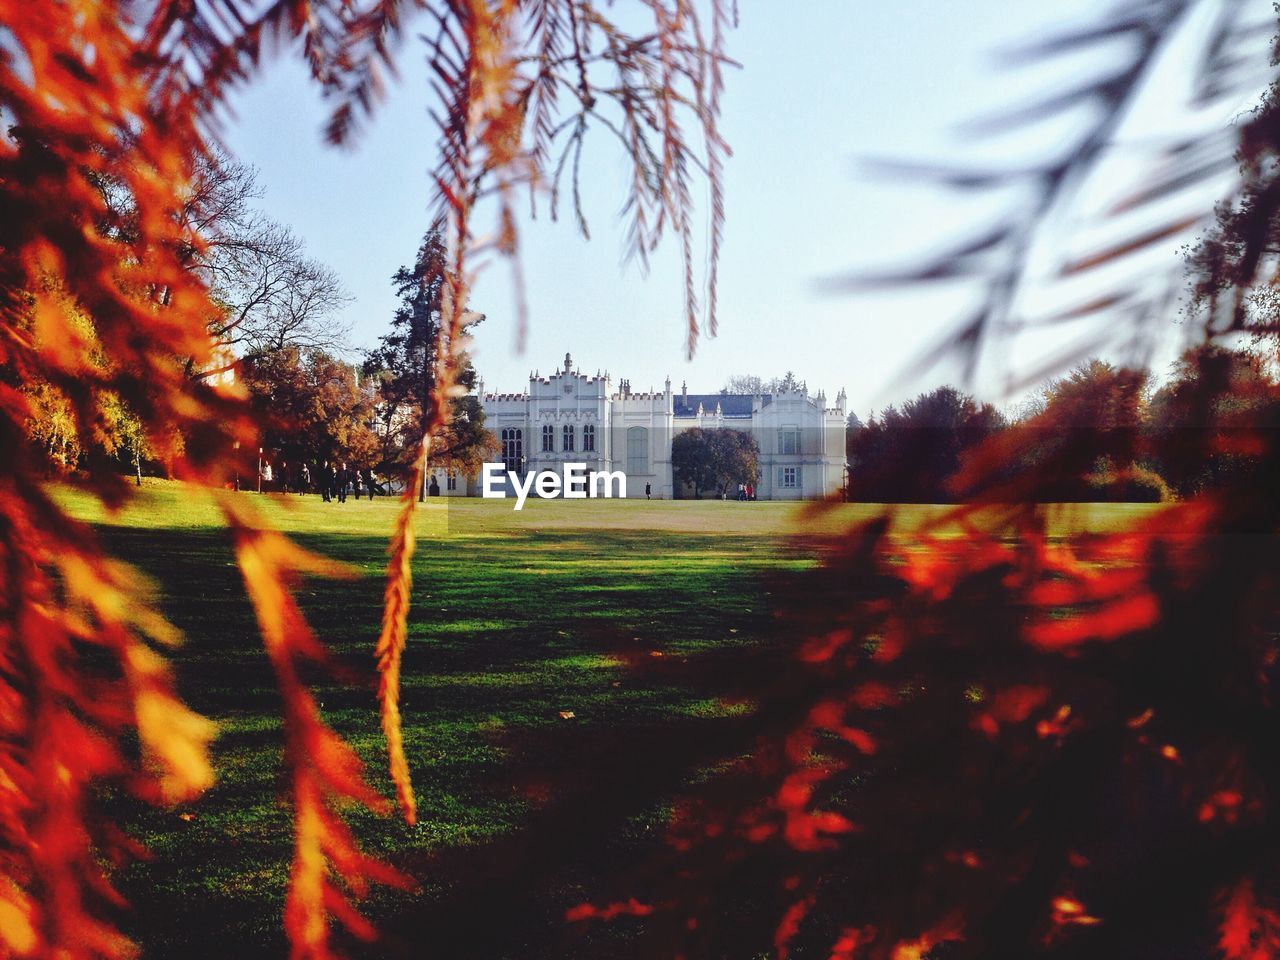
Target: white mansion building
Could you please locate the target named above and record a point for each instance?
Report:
(573, 417)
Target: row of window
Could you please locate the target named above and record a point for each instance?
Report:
(637, 451)
(513, 446)
(788, 477)
(567, 438)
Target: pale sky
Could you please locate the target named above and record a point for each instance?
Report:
(824, 85)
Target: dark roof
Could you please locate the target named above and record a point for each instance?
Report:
(731, 404)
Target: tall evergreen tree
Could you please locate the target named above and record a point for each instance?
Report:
(404, 360)
(404, 364)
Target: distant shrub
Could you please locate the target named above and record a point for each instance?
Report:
(1132, 484)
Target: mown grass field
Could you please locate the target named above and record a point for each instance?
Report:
(517, 618)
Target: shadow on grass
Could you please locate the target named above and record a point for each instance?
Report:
(523, 812)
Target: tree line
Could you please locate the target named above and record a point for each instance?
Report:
(279, 337)
(1131, 440)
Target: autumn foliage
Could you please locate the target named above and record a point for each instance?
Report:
(988, 736)
(101, 310)
(979, 741)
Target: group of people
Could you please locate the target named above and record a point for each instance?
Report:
(332, 479)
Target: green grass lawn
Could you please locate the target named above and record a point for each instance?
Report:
(517, 617)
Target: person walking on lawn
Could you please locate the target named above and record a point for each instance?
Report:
(326, 482)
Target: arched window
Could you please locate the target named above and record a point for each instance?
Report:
(548, 438)
(567, 446)
(513, 449)
(589, 438)
(637, 450)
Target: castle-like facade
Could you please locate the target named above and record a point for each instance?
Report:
(574, 417)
